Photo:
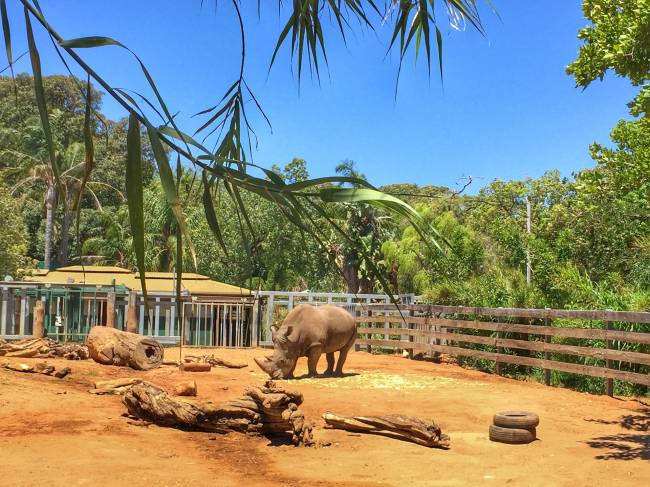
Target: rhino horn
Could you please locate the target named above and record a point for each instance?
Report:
(264, 364)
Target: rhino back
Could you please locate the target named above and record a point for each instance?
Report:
(327, 325)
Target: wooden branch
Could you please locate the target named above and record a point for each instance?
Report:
(261, 410)
(425, 433)
(43, 347)
(38, 368)
(214, 361)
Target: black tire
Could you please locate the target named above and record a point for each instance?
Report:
(516, 419)
(514, 436)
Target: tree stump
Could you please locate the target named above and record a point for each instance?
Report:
(261, 410)
(109, 346)
(425, 433)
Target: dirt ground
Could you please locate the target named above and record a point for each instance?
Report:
(53, 432)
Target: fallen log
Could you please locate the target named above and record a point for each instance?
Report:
(38, 368)
(214, 361)
(261, 410)
(109, 346)
(115, 386)
(43, 347)
(405, 428)
(195, 367)
(28, 347)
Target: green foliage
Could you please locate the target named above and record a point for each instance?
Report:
(13, 238)
(617, 40)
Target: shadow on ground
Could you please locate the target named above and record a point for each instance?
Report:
(625, 446)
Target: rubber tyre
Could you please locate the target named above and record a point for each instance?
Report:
(515, 436)
(516, 419)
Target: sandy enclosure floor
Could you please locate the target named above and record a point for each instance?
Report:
(53, 432)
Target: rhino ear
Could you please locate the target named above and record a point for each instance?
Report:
(288, 331)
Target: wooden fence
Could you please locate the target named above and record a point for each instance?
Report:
(546, 338)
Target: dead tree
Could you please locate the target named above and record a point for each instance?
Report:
(109, 346)
(42, 348)
(261, 410)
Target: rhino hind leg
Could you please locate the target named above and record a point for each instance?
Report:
(343, 354)
(330, 363)
(312, 360)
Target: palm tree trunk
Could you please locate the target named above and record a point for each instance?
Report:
(65, 238)
(50, 200)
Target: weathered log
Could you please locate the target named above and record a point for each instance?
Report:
(28, 347)
(38, 368)
(43, 347)
(262, 410)
(187, 388)
(195, 367)
(214, 361)
(109, 346)
(115, 386)
(425, 433)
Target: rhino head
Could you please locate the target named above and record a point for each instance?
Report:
(281, 363)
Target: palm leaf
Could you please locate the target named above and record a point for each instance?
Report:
(168, 185)
(7, 37)
(39, 91)
(134, 196)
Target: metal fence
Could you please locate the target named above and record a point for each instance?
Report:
(70, 312)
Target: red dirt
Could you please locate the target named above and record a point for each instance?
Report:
(52, 431)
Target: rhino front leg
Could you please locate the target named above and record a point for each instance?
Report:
(312, 360)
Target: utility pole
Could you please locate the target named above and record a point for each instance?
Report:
(529, 265)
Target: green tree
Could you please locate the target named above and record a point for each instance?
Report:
(13, 238)
(228, 163)
(617, 40)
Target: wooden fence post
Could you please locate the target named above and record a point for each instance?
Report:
(609, 363)
(547, 355)
(499, 365)
(132, 315)
(110, 310)
(357, 314)
(369, 325)
(411, 337)
(38, 330)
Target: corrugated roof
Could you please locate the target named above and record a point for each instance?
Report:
(156, 282)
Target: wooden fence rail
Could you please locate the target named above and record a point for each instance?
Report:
(452, 330)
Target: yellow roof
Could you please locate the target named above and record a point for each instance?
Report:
(156, 282)
(98, 269)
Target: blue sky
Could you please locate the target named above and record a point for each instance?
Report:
(506, 108)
